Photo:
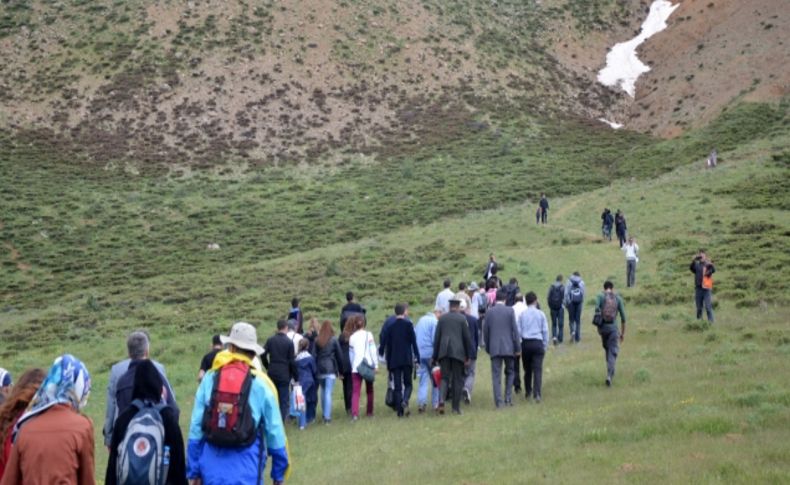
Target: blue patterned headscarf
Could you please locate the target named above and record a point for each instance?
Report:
(68, 382)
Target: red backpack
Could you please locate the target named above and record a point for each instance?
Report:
(228, 421)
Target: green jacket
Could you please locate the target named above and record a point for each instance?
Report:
(599, 301)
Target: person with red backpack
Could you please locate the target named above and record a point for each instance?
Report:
(236, 419)
(607, 307)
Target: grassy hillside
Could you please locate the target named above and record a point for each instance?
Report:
(92, 255)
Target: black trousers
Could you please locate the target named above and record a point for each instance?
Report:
(401, 377)
(284, 396)
(452, 377)
(348, 389)
(532, 353)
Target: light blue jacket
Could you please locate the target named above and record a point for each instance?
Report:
(425, 330)
(237, 466)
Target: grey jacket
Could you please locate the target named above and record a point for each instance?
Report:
(452, 338)
(111, 412)
(500, 331)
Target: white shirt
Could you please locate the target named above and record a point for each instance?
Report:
(519, 308)
(295, 338)
(443, 299)
(631, 251)
(361, 345)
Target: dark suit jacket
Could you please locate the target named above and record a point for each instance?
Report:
(279, 358)
(399, 344)
(452, 339)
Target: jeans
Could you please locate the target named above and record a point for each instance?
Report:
(532, 353)
(574, 320)
(401, 377)
(702, 296)
(357, 390)
(610, 339)
(327, 383)
(311, 401)
(496, 378)
(424, 380)
(607, 232)
(557, 324)
(621, 235)
(630, 272)
(469, 379)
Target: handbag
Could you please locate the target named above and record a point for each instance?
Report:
(597, 318)
(297, 401)
(389, 397)
(365, 370)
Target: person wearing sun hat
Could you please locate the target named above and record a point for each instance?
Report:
(211, 464)
(53, 442)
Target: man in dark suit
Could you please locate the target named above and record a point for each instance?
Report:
(279, 360)
(503, 344)
(399, 347)
(452, 349)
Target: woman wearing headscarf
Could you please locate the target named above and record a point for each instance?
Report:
(148, 385)
(53, 442)
(13, 408)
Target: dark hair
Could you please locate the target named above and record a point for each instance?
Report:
(16, 403)
(324, 334)
(608, 285)
(349, 295)
(501, 295)
(455, 303)
(295, 302)
(576, 273)
(462, 286)
(400, 308)
(513, 281)
(447, 283)
(215, 340)
(281, 324)
(559, 277)
(531, 298)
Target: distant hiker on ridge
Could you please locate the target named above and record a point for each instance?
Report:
(703, 270)
(620, 227)
(606, 224)
(631, 250)
(544, 208)
(491, 267)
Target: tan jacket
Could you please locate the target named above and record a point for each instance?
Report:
(55, 447)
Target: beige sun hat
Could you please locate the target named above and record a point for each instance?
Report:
(244, 336)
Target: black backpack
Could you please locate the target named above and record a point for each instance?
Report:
(577, 296)
(556, 295)
(510, 291)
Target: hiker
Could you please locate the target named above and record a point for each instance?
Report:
(556, 300)
(544, 208)
(311, 334)
(452, 349)
(609, 304)
(345, 368)
(491, 267)
(138, 348)
(424, 332)
(294, 336)
(54, 441)
(5, 384)
(620, 227)
(519, 307)
(444, 297)
(13, 407)
(631, 250)
(538, 213)
(607, 220)
(490, 292)
(511, 290)
(350, 308)
(399, 347)
(478, 300)
(128, 453)
(534, 331)
(307, 372)
(226, 447)
(279, 360)
(503, 344)
(474, 333)
(703, 270)
(208, 359)
(362, 352)
(295, 314)
(462, 294)
(574, 302)
(329, 360)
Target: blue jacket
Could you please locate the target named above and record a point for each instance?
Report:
(425, 330)
(237, 466)
(474, 332)
(399, 343)
(305, 365)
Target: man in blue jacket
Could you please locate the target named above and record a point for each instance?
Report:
(211, 464)
(399, 347)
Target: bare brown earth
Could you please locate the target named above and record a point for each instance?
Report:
(165, 83)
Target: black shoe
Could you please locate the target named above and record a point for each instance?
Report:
(537, 399)
(517, 390)
(421, 409)
(608, 382)
(406, 410)
(467, 397)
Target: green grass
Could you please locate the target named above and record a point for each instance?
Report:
(103, 252)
